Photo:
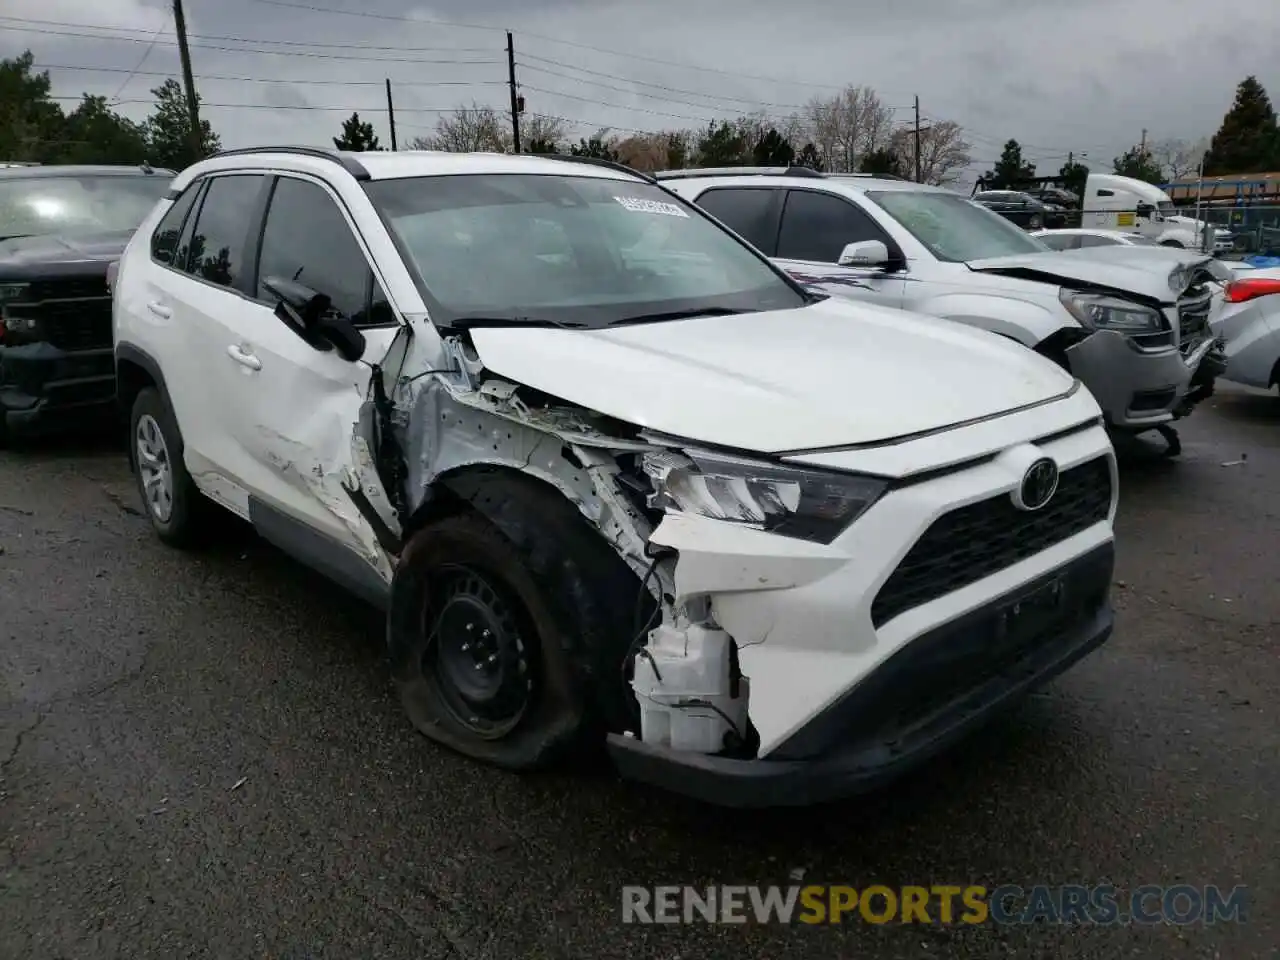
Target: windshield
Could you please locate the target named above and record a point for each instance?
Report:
(30, 206)
(574, 250)
(954, 229)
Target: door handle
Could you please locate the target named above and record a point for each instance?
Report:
(236, 353)
(159, 309)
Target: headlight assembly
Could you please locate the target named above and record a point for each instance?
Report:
(1101, 312)
(797, 502)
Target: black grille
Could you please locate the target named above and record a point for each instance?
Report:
(965, 545)
(69, 288)
(69, 322)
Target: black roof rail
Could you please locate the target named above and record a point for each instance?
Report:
(348, 162)
(792, 171)
(595, 162)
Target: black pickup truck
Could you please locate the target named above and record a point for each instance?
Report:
(60, 227)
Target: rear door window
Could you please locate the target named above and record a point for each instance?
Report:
(752, 213)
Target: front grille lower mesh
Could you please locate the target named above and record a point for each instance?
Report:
(965, 545)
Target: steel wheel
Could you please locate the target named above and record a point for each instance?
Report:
(477, 654)
(154, 467)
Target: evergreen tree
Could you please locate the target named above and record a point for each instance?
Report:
(356, 136)
(168, 130)
(1248, 140)
(1138, 163)
(1011, 171)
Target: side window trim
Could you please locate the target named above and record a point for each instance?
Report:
(373, 279)
(894, 249)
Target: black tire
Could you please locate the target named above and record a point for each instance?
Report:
(1172, 243)
(560, 611)
(189, 519)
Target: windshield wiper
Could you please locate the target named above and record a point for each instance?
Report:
(472, 322)
(677, 315)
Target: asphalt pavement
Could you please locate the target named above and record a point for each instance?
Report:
(202, 756)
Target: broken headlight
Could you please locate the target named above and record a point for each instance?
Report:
(1100, 312)
(793, 501)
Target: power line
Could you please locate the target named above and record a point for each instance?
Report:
(644, 83)
(298, 80)
(617, 106)
(274, 106)
(142, 60)
(221, 37)
(548, 39)
(246, 50)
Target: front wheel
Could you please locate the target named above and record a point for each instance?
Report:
(178, 512)
(1171, 243)
(507, 636)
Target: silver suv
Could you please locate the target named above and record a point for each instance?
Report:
(1133, 327)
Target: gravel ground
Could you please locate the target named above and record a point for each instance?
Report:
(203, 756)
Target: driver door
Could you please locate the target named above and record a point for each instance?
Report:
(815, 229)
(294, 406)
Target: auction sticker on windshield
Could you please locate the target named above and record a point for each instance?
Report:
(637, 205)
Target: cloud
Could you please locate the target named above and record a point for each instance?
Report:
(1085, 77)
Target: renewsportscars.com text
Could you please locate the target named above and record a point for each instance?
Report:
(1008, 904)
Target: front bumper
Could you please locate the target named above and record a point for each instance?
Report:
(44, 389)
(867, 655)
(927, 696)
(1141, 388)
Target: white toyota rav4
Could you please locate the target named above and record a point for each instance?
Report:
(615, 478)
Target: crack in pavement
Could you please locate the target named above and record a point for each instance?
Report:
(459, 946)
(21, 737)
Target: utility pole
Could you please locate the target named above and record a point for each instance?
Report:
(1142, 149)
(917, 139)
(193, 105)
(391, 114)
(515, 97)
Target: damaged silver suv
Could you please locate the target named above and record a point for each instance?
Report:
(615, 478)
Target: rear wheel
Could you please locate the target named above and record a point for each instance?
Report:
(1171, 243)
(506, 644)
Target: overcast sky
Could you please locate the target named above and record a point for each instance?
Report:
(1058, 75)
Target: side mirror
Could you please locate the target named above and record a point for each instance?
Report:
(866, 253)
(1145, 210)
(311, 316)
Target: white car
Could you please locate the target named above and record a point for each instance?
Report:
(1136, 333)
(1077, 238)
(1249, 322)
(614, 477)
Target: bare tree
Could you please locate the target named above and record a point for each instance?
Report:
(468, 130)
(646, 152)
(944, 152)
(845, 127)
(1179, 158)
(535, 127)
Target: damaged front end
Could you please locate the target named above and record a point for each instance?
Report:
(429, 439)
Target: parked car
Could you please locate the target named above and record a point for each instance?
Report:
(1020, 208)
(1135, 332)
(614, 476)
(1249, 322)
(60, 227)
(1077, 238)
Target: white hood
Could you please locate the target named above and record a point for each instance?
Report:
(830, 374)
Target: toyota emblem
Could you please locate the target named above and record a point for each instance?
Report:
(1038, 485)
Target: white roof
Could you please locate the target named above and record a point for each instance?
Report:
(391, 165)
